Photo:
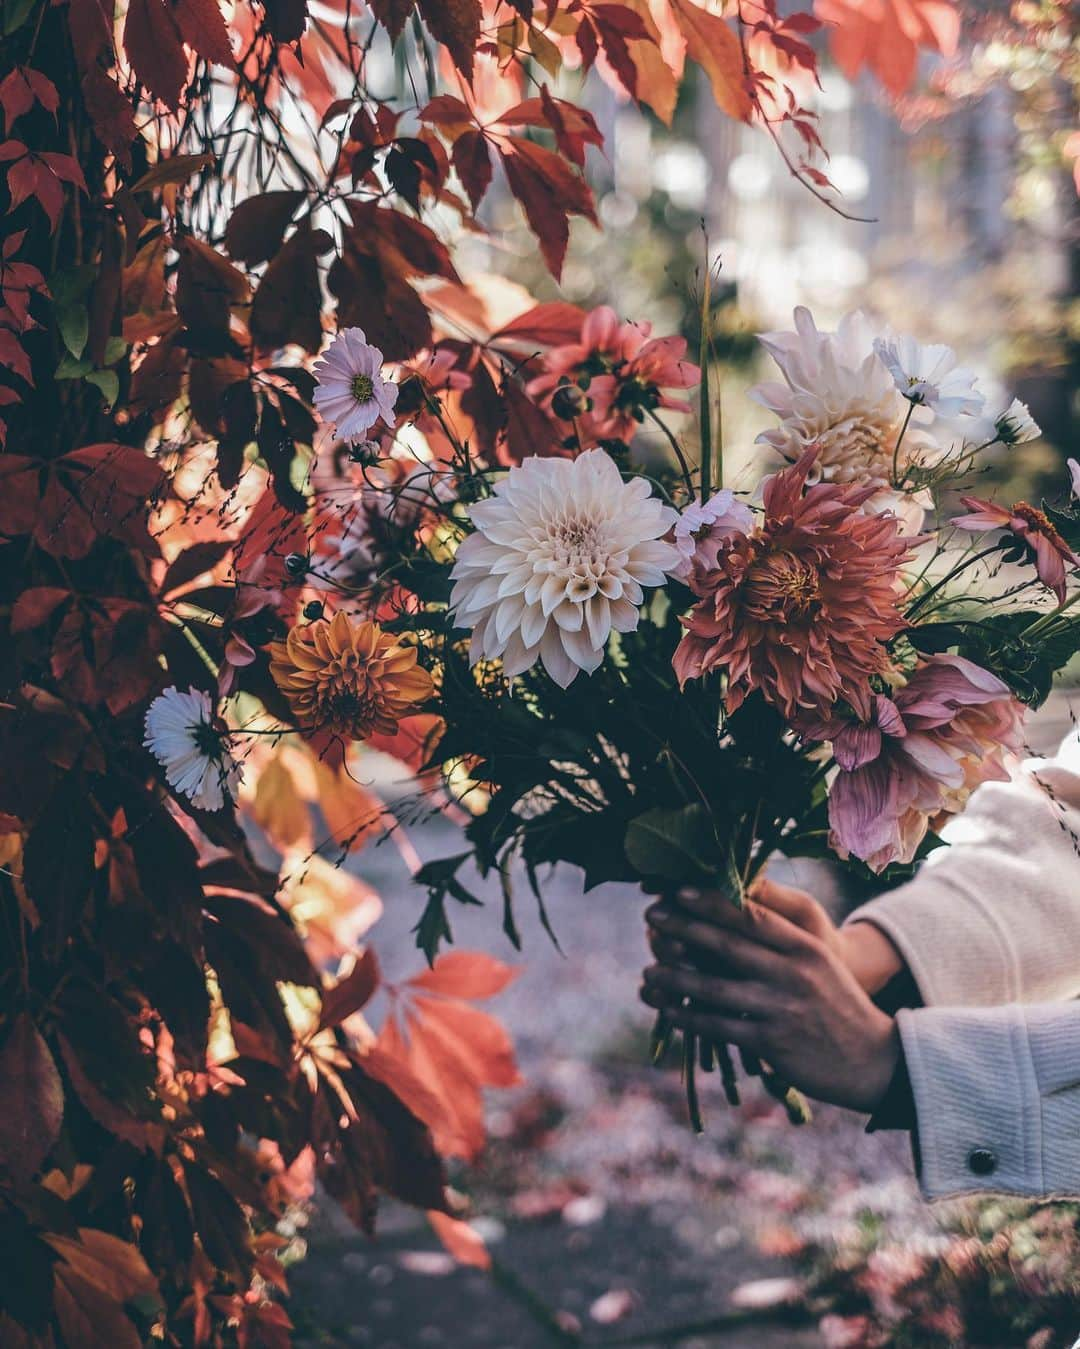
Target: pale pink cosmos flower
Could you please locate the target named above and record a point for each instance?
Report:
(703, 526)
(1032, 529)
(921, 752)
(351, 393)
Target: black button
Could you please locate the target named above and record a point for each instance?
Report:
(982, 1161)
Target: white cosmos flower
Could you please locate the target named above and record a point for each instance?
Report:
(838, 396)
(1016, 424)
(1074, 477)
(929, 376)
(181, 735)
(351, 393)
(561, 555)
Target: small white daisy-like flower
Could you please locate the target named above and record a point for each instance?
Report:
(1016, 424)
(929, 376)
(181, 734)
(352, 394)
(560, 558)
(715, 520)
(1074, 477)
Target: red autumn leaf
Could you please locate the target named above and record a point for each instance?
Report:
(41, 176)
(352, 992)
(13, 357)
(549, 192)
(19, 281)
(202, 26)
(257, 226)
(447, 111)
(35, 606)
(392, 14)
(66, 504)
(456, 24)
(22, 88)
(153, 46)
(111, 112)
(886, 35)
(287, 306)
(615, 27)
(472, 160)
(91, 24)
(713, 45)
(454, 1049)
(33, 1100)
(94, 1277)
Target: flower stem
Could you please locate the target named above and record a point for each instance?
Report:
(896, 449)
(677, 448)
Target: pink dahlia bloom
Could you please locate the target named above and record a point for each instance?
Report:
(918, 753)
(1031, 528)
(627, 371)
(802, 606)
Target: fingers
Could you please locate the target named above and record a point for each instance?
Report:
(667, 987)
(737, 951)
(720, 1029)
(763, 924)
(797, 906)
(666, 949)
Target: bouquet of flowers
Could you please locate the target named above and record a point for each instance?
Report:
(653, 676)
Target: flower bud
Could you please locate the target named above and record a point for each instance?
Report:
(568, 402)
(296, 564)
(313, 609)
(365, 452)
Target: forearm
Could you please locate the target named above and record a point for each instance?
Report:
(997, 918)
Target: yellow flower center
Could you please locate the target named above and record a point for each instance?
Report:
(363, 390)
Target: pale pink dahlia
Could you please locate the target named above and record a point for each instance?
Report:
(703, 527)
(920, 752)
(352, 394)
(801, 607)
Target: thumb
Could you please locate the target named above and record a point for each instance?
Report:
(797, 906)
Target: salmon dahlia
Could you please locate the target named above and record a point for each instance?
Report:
(801, 607)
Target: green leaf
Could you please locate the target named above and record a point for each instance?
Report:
(115, 350)
(74, 324)
(680, 846)
(68, 285)
(70, 368)
(16, 12)
(108, 381)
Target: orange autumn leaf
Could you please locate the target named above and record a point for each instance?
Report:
(453, 1048)
(461, 1240)
(886, 35)
(279, 809)
(713, 45)
(352, 813)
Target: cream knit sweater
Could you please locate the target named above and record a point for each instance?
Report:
(990, 929)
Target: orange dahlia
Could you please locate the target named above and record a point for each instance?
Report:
(350, 678)
(802, 606)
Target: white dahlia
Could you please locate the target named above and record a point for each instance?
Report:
(181, 734)
(928, 376)
(560, 557)
(838, 395)
(352, 394)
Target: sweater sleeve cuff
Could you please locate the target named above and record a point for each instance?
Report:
(980, 969)
(977, 1100)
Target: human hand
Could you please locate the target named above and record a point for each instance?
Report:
(864, 948)
(776, 988)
